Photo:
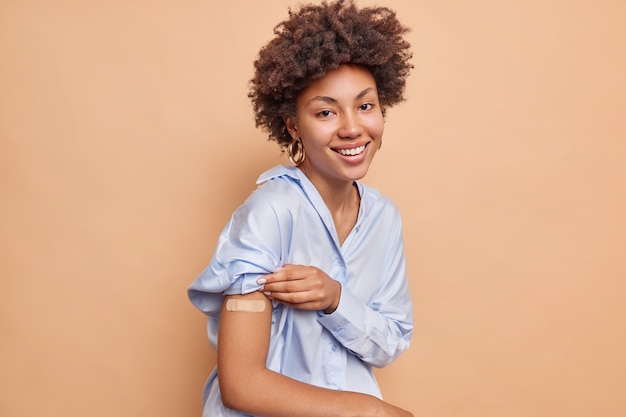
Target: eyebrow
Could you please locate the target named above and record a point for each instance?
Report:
(328, 99)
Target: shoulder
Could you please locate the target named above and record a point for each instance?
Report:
(277, 192)
(379, 212)
(378, 204)
(276, 187)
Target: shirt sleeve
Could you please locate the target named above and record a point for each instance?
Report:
(379, 331)
(247, 248)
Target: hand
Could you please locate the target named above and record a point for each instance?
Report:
(303, 287)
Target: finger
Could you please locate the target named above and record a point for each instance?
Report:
(269, 278)
(291, 298)
(287, 273)
(287, 286)
(294, 301)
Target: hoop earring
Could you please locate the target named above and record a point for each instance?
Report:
(296, 152)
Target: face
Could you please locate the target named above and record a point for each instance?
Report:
(340, 122)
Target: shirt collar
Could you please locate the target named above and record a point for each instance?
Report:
(280, 170)
(368, 194)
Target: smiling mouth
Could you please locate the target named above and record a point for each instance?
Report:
(352, 151)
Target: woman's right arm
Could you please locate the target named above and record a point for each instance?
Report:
(248, 386)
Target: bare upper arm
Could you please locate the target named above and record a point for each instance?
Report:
(248, 386)
(243, 339)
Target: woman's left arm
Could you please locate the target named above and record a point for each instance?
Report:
(377, 331)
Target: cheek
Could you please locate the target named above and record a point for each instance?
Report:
(317, 134)
(376, 127)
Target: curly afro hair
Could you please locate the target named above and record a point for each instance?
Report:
(316, 39)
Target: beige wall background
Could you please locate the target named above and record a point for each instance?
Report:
(127, 140)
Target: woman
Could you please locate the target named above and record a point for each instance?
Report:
(307, 289)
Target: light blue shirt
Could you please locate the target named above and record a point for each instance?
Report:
(285, 221)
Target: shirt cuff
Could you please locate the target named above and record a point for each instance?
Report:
(347, 322)
(245, 284)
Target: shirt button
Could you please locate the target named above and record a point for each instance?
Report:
(334, 348)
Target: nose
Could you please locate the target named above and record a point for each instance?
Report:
(350, 127)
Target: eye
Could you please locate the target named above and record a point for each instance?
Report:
(325, 113)
(366, 106)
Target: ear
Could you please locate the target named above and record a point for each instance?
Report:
(292, 126)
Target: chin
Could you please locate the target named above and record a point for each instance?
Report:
(357, 174)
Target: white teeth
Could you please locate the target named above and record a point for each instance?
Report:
(352, 152)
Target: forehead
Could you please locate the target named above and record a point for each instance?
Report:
(347, 82)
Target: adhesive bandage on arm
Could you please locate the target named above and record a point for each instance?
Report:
(248, 306)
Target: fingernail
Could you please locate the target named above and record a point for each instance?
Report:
(261, 281)
(268, 293)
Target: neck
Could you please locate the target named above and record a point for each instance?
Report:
(342, 200)
(338, 195)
